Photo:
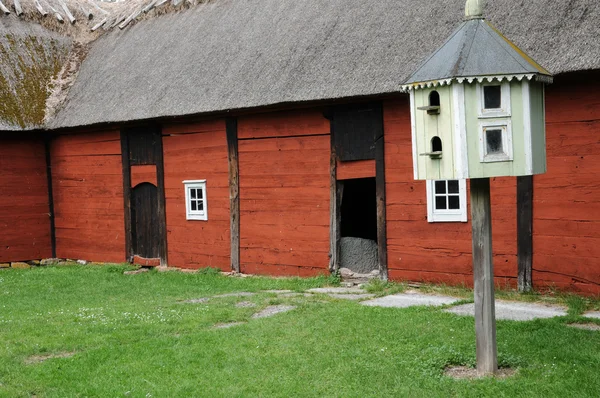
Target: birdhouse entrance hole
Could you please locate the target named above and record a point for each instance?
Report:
(434, 98)
(436, 145)
(358, 229)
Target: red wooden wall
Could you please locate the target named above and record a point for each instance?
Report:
(197, 152)
(436, 252)
(284, 193)
(24, 220)
(566, 208)
(87, 181)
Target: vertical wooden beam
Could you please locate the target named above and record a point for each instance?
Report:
(381, 206)
(50, 196)
(525, 233)
(160, 185)
(234, 192)
(335, 206)
(126, 196)
(483, 275)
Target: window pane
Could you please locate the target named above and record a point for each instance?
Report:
(452, 186)
(453, 202)
(194, 208)
(193, 193)
(492, 97)
(200, 205)
(200, 194)
(493, 139)
(440, 187)
(440, 203)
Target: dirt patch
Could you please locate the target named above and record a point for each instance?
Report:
(227, 325)
(585, 326)
(41, 358)
(467, 373)
(273, 310)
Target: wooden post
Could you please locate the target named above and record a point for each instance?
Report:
(50, 197)
(127, 196)
(381, 206)
(162, 200)
(336, 192)
(525, 233)
(234, 192)
(483, 275)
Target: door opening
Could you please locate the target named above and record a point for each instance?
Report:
(359, 252)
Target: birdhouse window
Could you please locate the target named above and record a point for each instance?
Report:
(195, 200)
(494, 100)
(446, 201)
(495, 141)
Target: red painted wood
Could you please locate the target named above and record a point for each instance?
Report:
(199, 154)
(283, 124)
(146, 262)
(284, 194)
(355, 169)
(87, 181)
(143, 173)
(24, 218)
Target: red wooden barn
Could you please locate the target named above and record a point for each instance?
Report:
(273, 137)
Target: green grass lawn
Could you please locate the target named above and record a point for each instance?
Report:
(116, 335)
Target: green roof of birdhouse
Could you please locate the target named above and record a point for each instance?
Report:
(476, 50)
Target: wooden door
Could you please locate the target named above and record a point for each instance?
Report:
(143, 187)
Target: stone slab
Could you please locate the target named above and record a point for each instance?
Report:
(275, 291)
(20, 265)
(513, 311)
(245, 304)
(4, 265)
(235, 294)
(273, 310)
(354, 297)
(592, 314)
(405, 300)
(336, 290)
(227, 325)
(585, 326)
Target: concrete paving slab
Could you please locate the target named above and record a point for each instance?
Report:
(507, 310)
(336, 290)
(592, 314)
(273, 310)
(355, 297)
(405, 300)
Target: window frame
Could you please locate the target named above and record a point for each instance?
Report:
(505, 103)
(507, 146)
(195, 215)
(457, 215)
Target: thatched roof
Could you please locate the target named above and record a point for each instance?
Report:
(235, 54)
(30, 58)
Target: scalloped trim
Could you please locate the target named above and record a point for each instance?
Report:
(479, 79)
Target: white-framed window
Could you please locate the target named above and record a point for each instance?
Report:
(495, 141)
(446, 200)
(494, 99)
(195, 200)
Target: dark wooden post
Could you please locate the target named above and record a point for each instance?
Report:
(336, 192)
(234, 192)
(483, 275)
(50, 197)
(127, 196)
(381, 205)
(525, 233)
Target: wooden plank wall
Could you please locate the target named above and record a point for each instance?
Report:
(566, 208)
(284, 193)
(437, 252)
(24, 219)
(87, 182)
(197, 152)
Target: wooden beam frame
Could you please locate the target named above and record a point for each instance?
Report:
(160, 185)
(336, 193)
(126, 196)
(525, 233)
(234, 192)
(381, 206)
(50, 196)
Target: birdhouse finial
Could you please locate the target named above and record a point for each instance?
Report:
(474, 9)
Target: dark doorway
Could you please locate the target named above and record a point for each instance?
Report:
(145, 223)
(144, 220)
(359, 209)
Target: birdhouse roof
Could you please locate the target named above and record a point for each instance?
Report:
(476, 49)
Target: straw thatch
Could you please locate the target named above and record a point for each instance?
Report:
(234, 54)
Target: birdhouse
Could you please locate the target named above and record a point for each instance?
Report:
(477, 106)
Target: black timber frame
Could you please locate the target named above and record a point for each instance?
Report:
(525, 233)
(50, 195)
(234, 191)
(130, 158)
